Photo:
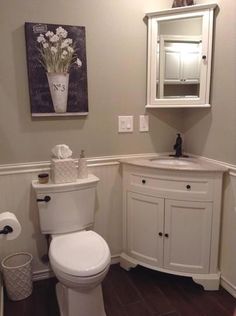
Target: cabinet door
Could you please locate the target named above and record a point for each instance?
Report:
(172, 66)
(188, 229)
(194, 25)
(145, 220)
(182, 67)
(191, 67)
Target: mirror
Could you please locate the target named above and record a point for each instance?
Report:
(179, 51)
(179, 56)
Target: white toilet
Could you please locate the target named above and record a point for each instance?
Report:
(80, 258)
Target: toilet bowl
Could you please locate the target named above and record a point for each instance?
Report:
(80, 261)
(80, 258)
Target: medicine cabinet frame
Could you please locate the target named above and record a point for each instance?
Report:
(154, 75)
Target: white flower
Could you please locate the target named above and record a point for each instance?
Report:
(54, 39)
(70, 49)
(78, 62)
(41, 38)
(45, 45)
(58, 53)
(49, 34)
(64, 44)
(54, 50)
(61, 32)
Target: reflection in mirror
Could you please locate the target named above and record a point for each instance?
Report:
(179, 51)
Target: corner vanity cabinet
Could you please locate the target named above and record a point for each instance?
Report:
(171, 221)
(179, 56)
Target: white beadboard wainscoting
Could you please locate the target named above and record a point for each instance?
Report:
(17, 196)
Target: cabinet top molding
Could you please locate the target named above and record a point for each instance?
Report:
(191, 8)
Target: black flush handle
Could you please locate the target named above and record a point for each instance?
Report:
(45, 199)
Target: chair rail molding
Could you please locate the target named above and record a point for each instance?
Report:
(41, 166)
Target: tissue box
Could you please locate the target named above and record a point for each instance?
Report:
(63, 170)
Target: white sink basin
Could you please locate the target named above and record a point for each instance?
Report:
(172, 161)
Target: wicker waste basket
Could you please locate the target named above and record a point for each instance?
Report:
(17, 274)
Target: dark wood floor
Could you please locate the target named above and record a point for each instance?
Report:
(140, 292)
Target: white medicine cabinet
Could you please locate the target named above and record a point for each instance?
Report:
(179, 57)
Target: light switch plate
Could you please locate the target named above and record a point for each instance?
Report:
(143, 123)
(125, 124)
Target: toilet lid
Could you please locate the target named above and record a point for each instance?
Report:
(80, 254)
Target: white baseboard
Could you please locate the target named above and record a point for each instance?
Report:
(228, 286)
(48, 273)
(43, 274)
(115, 259)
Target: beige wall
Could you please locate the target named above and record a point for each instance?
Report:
(212, 132)
(116, 38)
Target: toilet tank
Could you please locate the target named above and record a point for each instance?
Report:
(70, 208)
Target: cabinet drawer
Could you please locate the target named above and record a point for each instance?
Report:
(173, 187)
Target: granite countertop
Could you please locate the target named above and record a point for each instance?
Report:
(173, 163)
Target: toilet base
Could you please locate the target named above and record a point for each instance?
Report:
(80, 303)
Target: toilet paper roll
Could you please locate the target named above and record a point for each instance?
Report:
(9, 219)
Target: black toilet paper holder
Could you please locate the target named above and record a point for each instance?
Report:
(6, 230)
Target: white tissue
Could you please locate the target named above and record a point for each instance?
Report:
(9, 219)
(61, 151)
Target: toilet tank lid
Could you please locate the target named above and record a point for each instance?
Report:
(81, 254)
(50, 186)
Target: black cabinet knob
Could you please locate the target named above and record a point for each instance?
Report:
(188, 187)
(160, 234)
(166, 235)
(143, 181)
(204, 57)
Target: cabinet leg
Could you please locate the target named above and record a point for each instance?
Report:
(209, 284)
(125, 263)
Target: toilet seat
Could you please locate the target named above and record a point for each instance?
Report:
(81, 254)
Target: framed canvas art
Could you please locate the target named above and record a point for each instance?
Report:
(57, 69)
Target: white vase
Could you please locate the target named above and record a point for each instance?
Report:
(58, 84)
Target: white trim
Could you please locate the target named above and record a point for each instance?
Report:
(48, 273)
(1, 296)
(181, 38)
(115, 259)
(169, 106)
(231, 168)
(42, 166)
(183, 9)
(228, 286)
(43, 274)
